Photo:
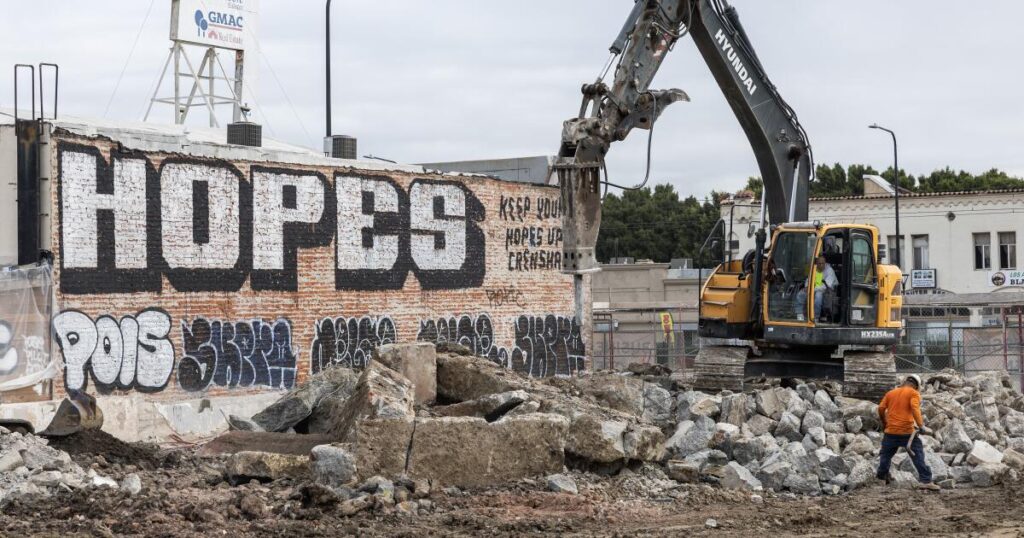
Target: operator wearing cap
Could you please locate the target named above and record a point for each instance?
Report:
(900, 412)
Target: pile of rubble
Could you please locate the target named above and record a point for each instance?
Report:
(448, 418)
(419, 419)
(809, 440)
(29, 467)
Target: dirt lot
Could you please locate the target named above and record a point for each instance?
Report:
(184, 496)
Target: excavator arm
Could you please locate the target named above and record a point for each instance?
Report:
(609, 114)
(779, 141)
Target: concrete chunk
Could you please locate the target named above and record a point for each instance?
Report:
(490, 407)
(299, 403)
(685, 472)
(264, 466)
(470, 452)
(417, 362)
(381, 447)
(988, 474)
(736, 476)
(461, 378)
(955, 439)
(982, 453)
(768, 404)
(595, 439)
(332, 465)
(381, 393)
(643, 443)
(789, 426)
(690, 437)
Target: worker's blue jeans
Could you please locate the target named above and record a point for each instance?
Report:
(801, 301)
(891, 444)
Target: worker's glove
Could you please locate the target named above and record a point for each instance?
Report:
(924, 430)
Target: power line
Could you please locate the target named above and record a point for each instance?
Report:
(129, 58)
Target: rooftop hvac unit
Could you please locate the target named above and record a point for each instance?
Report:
(681, 263)
(340, 147)
(245, 133)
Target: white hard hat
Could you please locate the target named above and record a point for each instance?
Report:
(916, 378)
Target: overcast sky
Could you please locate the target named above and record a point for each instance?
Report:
(420, 81)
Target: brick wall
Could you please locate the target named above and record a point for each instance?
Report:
(179, 276)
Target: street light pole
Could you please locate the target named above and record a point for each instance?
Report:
(328, 45)
(896, 183)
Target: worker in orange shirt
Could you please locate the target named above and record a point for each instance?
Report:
(900, 412)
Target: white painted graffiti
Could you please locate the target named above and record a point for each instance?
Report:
(133, 353)
(8, 353)
(240, 354)
(34, 349)
(205, 226)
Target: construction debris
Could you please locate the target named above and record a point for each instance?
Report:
(383, 447)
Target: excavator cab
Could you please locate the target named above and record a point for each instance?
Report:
(827, 309)
(825, 286)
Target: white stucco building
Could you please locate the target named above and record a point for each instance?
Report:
(958, 242)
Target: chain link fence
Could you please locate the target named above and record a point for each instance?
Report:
(969, 350)
(618, 349)
(940, 345)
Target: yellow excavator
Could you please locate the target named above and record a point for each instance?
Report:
(811, 300)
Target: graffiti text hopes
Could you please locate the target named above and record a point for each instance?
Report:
(205, 226)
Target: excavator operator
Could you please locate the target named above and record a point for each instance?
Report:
(822, 278)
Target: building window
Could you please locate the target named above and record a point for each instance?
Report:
(1007, 250)
(894, 252)
(983, 251)
(920, 251)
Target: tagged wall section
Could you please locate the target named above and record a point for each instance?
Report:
(180, 275)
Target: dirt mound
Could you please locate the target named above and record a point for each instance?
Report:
(86, 444)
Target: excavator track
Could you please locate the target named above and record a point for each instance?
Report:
(720, 367)
(868, 374)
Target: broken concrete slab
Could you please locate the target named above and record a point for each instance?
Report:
(595, 439)
(561, 483)
(693, 404)
(736, 409)
(462, 377)
(490, 407)
(988, 474)
(685, 472)
(643, 443)
(381, 447)
(955, 439)
(658, 405)
(982, 453)
(789, 426)
(381, 393)
(470, 452)
(736, 476)
(760, 425)
(417, 362)
(264, 466)
(690, 437)
(298, 403)
(278, 443)
(768, 404)
(1014, 459)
